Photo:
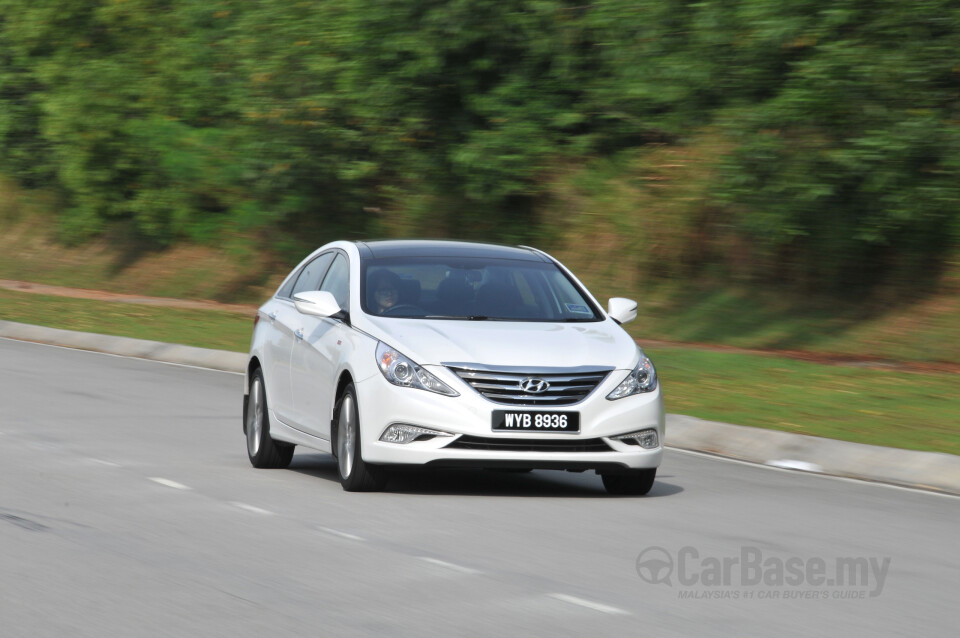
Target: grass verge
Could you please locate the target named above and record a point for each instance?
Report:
(881, 407)
(202, 328)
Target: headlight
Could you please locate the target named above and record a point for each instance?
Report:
(642, 378)
(401, 371)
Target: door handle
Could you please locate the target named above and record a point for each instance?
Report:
(299, 334)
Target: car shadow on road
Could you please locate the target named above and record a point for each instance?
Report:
(478, 482)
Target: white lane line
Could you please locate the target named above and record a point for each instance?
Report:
(102, 462)
(833, 477)
(251, 508)
(336, 532)
(43, 445)
(168, 483)
(451, 566)
(604, 609)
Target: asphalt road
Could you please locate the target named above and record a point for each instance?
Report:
(128, 507)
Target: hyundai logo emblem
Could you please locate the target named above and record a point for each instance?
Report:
(534, 386)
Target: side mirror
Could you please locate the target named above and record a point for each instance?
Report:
(621, 309)
(318, 303)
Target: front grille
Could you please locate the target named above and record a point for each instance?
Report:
(467, 442)
(564, 387)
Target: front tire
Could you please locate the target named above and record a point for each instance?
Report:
(355, 474)
(262, 450)
(632, 483)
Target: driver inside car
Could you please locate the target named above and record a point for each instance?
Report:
(386, 291)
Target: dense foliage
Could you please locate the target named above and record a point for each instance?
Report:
(372, 117)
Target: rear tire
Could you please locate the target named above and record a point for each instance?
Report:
(355, 474)
(262, 450)
(632, 483)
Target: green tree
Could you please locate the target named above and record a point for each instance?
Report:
(849, 172)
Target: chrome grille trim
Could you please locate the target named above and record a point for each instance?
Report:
(567, 385)
(534, 370)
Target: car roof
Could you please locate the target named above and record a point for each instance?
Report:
(444, 248)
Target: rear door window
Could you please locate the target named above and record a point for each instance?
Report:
(311, 275)
(337, 281)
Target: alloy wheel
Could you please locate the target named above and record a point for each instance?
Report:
(255, 417)
(346, 430)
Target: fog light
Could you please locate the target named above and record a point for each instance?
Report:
(647, 439)
(402, 433)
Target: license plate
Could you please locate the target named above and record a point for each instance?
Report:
(532, 421)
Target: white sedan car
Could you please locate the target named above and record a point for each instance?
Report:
(449, 354)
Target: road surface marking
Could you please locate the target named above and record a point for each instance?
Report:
(932, 491)
(452, 566)
(573, 600)
(84, 349)
(168, 483)
(102, 462)
(336, 532)
(251, 508)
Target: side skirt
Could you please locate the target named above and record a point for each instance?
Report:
(283, 432)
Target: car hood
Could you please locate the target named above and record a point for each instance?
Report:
(508, 343)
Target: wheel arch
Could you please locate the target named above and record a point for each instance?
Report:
(345, 379)
(252, 365)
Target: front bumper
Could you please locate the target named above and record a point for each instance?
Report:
(469, 418)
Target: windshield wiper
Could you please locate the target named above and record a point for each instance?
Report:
(461, 317)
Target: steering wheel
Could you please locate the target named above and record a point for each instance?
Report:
(405, 309)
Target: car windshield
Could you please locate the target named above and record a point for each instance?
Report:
(472, 289)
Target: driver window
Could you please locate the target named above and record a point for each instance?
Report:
(337, 281)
